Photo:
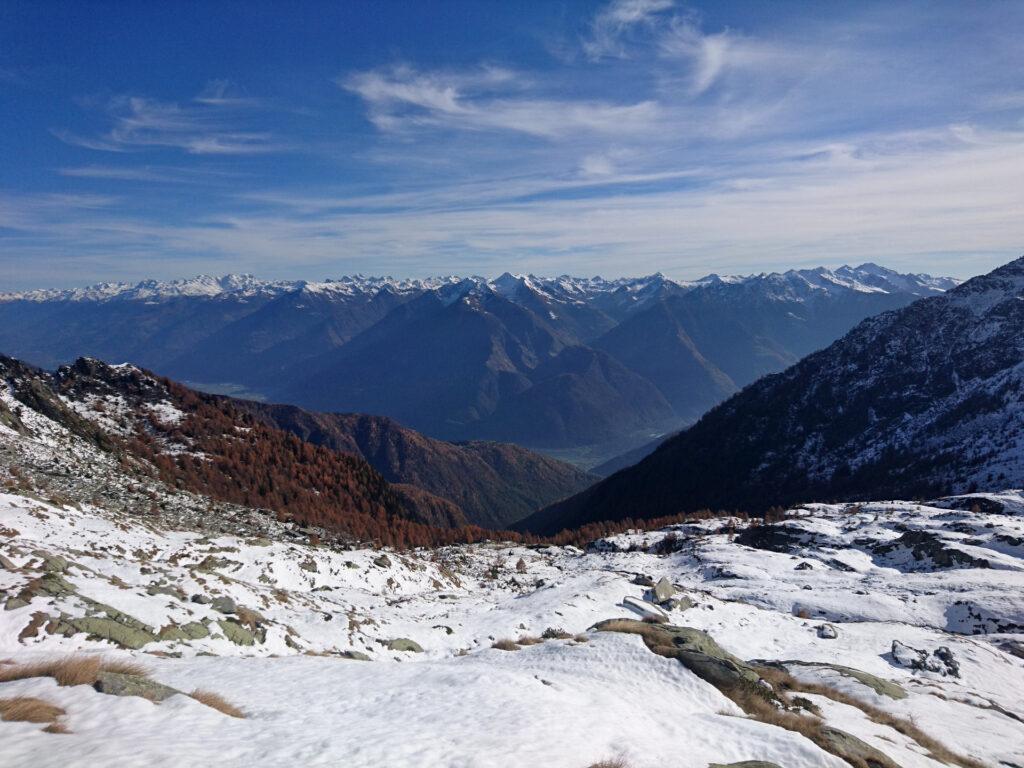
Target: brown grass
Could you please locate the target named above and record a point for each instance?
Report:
(505, 645)
(216, 701)
(581, 638)
(759, 703)
(529, 640)
(655, 618)
(615, 762)
(26, 709)
(70, 670)
(783, 681)
(56, 728)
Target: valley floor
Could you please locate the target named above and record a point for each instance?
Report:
(371, 658)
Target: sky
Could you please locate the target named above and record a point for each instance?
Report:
(313, 140)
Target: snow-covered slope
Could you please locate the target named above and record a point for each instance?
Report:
(370, 657)
(281, 629)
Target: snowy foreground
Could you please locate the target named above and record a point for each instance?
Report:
(313, 645)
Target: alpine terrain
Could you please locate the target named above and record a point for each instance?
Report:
(917, 402)
(584, 367)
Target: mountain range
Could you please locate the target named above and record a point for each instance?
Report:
(917, 402)
(558, 364)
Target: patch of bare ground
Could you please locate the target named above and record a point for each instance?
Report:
(505, 645)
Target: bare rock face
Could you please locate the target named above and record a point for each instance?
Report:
(940, 661)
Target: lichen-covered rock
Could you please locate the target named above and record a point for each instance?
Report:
(852, 749)
(52, 563)
(404, 644)
(113, 631)
(879, 685)
(696, 649)
(193, 630)
(236, 633)
(224, 604)
(117, 684)
(356, 655)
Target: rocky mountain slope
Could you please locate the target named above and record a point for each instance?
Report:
(468, 358)
(156, 428)
(919, 401)
(494, 484)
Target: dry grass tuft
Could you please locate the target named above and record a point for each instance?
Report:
(783, 681)
(26, 709)
(655, 618)
(505, 645)
(217, 702)
(529, 640)
(581, 638)
(56, 728)
(615, 762)
(70, 670)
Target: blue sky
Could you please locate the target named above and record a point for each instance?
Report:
(411, 138)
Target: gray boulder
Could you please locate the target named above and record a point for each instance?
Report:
(224, 604)
(117, 684)
(404, 644)
(663, 590)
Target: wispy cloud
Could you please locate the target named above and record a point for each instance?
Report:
(403, 98)
(616, 21)
(208, 125)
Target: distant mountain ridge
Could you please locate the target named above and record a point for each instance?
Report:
(866, 277)
(558, 364)
(921, 401)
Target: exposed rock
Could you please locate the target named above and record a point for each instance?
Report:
(804, 566)
(236, 633)
(663, 590)
(929, 551)
(1014, 648)
(879, 685)
(827, 632)
(117, 684)
(404, 644)
(746, 764)
(356, 655)
(193, 630)
(382, 561)
(201, 599)
(224, 604)
(940, 661)
(114, 631)
(852, 749)
(642, 581)
(696, 649)
(52, 563)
